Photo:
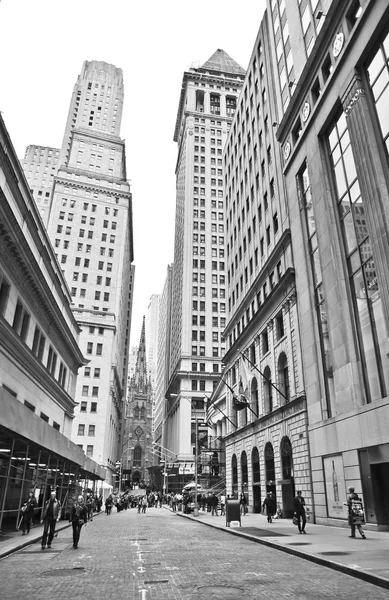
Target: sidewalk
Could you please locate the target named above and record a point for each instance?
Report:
(12, 541)
(328, 546)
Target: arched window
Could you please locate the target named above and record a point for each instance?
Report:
(268, 391)
(286, 458)
(142, 412)
(136, 412)
(283, 378)
(234, 470)
(254, 396)
(255, 465)
(244, 470)
(137, 455)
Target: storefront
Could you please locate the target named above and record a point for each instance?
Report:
(36, 457)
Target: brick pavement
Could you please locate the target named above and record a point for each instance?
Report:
(160, 555)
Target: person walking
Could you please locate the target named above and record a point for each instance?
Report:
(243, 503)
(356, 517)
(50, 517)
(27, 512)
(222, 505)
(89, 502)
(299, 511)
(214, 501)
(269, 504)
(144, 503)
(78, 517)
(108, 505)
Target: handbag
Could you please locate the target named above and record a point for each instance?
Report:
(23, 508)
(295, 520)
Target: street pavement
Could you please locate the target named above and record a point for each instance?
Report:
(167, 556)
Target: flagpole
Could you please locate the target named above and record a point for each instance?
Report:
(233, 394)
(219, 409)
(264, 376)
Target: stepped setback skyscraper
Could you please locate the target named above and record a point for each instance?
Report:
(90, 226)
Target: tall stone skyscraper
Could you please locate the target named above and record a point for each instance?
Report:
(207, 104)
(90, 226)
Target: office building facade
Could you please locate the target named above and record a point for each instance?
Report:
(39, 357)
(90, 226)
(207, 103)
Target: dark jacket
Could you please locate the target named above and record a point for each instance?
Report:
(30, 504)
(56, 509)
(298, 505)
(78, 512)
(270, 504)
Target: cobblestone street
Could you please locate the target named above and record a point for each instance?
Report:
(160, 555)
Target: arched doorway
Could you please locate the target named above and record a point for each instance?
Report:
(244, 474)
(256, 480)
(234, 473)
(270, 470)
(287, 482)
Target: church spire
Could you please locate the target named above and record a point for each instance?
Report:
(140, 376)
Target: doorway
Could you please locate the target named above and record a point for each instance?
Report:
(380, 484)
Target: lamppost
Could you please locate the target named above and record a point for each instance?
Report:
(196, 510)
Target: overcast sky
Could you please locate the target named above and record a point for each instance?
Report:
(43, 44)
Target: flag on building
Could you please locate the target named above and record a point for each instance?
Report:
(244, 382)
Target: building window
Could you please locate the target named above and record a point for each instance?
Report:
(320, 302)
(21, 321)
(83, 406)
(93, 407)
(365, 290)
(89, 450)
(51, 361)
(38, 344)
(91, 430)
(81, 429)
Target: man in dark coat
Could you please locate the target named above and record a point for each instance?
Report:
(78, 517)
(299, 511)
(27, 512)
(270, 505)
(51, 516)
(355, 512)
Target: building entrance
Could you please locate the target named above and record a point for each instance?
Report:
(380, 483)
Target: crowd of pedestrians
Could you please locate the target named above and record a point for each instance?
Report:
(83, 508)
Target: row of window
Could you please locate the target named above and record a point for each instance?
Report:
(42, 415)
(21, 325)
(200, 351)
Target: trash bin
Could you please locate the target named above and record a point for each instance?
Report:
(232, 511)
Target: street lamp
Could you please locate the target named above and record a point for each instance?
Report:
(196, 510)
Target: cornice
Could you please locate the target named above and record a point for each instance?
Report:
(92, 186)
(21, 262)
(27, 361)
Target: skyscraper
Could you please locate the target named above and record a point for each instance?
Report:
(90, 226)
(207, 104)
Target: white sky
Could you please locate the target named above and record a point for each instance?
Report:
(43, 44)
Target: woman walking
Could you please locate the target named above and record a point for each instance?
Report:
(27, 512)
(78, 516)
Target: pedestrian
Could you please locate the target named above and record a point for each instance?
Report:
(108, 505)
(144, 503)
(27, 512)
(89, 502)
(50, 517)
(299, 511)
(269, 504)
(222, 505)
(214, 501)
(356, 517)
(78, 517)
(243, 504)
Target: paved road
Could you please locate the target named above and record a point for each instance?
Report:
(162, 556)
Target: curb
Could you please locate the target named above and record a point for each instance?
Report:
(370, 578)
